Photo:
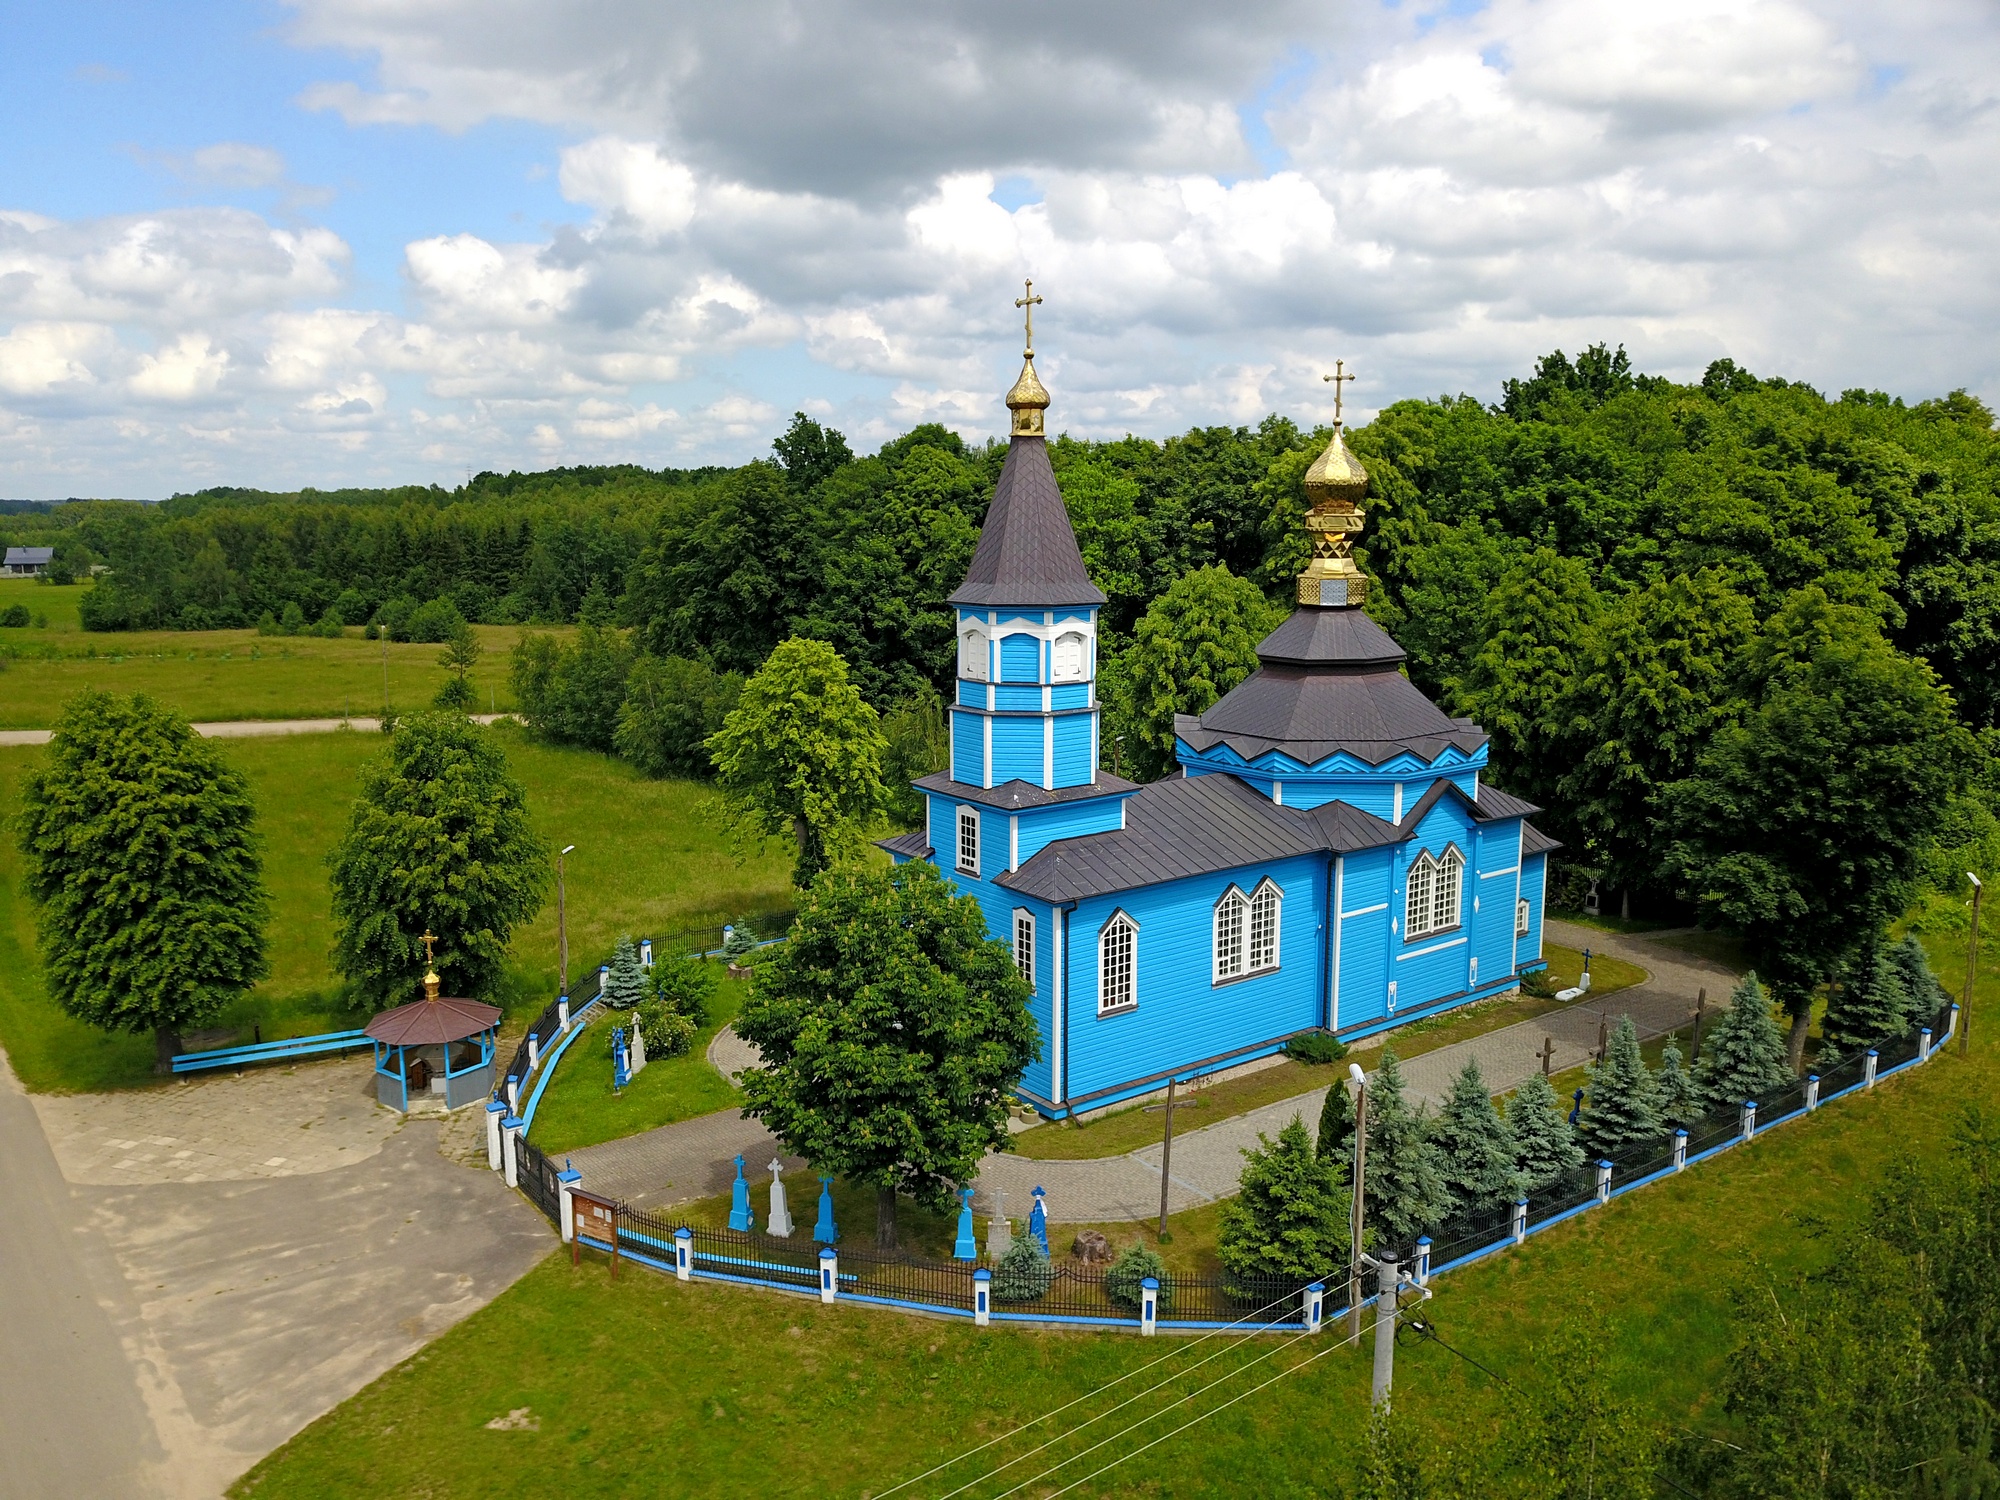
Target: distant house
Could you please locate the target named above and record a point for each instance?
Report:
(27, 562)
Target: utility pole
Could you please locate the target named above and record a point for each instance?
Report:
(1360, 1081)
(385, 675)
(1166, 1163)
(1971, 968)
(562, 922)
(1385, 1330)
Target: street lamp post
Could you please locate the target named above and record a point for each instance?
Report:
(1971, 967)
(562, 921)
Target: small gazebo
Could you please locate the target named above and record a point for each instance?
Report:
(436, 1046)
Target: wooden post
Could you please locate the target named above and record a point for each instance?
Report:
(1166, 1163)
(1548, 1054)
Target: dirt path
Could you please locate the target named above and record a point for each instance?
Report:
(244, 729)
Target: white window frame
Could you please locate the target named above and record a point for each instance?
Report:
(974, 657)
(968, 848)
(1523, 917)
(1024, 944)
(1077, 671)
(1448, 900)
(1230, 933)
(1417, 896)
(1266, 898)
(1116, 992)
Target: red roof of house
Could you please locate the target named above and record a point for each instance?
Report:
(432, 1021)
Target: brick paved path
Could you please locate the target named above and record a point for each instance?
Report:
(692, 1159)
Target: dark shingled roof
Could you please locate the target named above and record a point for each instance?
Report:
(1027, 554)
(1011, 796)
(1498, 804)
(915, 845)
(1534, 841)
(421, 1022)
(1315, 637)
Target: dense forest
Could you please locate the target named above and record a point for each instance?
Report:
(1612, 572)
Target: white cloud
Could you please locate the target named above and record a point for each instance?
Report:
(630, 178)
(190, 367)
(38, 359)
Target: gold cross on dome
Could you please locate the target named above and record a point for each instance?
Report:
(1029, 302)
(430, 958)
(1338, 378)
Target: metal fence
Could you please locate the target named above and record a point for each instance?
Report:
(1067, 1292)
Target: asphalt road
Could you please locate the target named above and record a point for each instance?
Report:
(74, 1421)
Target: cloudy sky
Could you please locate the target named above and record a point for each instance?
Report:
(366, 241)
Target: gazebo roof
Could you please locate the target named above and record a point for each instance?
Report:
(431, 1021)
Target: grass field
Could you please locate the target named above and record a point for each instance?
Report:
(1142, 1124)
(722, 1387)
(581, 1109)
(651, 858)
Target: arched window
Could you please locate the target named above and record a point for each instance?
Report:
(1024, 944)
(972, 656)
(968, 840)
(1417, 904)
(1264, 927)
(1071, 658)
(1118, 965)
(1444, 902)
(1521, 917)
(1230, 913)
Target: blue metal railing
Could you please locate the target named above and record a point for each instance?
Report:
(257, 1052)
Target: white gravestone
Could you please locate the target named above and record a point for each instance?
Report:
(781, 1216)
(999, 1233)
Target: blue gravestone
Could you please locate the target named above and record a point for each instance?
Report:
(739, 1200)
(824, 1232)
(1575, 1106)
(620, 1075)
(967, 1247)
(1038, 1222)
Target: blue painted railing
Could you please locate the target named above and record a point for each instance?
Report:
(258, 1052)
(546, 1062)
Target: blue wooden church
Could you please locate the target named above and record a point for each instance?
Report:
(1326, 858)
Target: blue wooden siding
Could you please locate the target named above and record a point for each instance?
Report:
(1529, 948)
(1018, 697)
(1017, 749)
(1066, 820)
(968, 748)
(1073, 760)
(1182, 1017)
(1070, 695)
(973, 694)
(1020, 658)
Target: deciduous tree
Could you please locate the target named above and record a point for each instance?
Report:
(1196, 642)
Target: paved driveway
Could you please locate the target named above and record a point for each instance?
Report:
(164, 1334)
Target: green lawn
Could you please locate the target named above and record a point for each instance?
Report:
(56, 606)
(581, 1109)
(722, 1387)
(651, 858)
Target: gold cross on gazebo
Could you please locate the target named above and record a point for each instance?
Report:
(1029, 302)
(1339, 378)
(430, 958)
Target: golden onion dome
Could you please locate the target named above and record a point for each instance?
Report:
(1336, 475)
(1027, 401)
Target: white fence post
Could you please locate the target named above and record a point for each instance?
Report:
(982, 1297)
(1868, 1069)
(1315, 1307)
(829, 1274)
(684, 1254)
(510, 1139)
(495, 1111)
(513, 1095)
(1520, 1220)
(1603, 1181)
(1812, 1092)
(1749, 1119)
(1423, 1260)
(1149, 1306)
(1680, 1150)
(534, 1053)
(1924, 1044)
(566, 1180)
(562, 1012)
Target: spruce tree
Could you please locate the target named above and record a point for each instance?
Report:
(1624, 1099)
(1405, 1190)
(1927, 996)
(1290, 1219)
(1336, 1124)
(1870, 1003)
(1743, 1057)
(625, 985)
(1678, 1105)
(1544, 1145)
(1475, 1145)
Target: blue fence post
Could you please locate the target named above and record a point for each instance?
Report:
(1603, 1180)
(1868, 1063)
(1812, 1092)
(1038, 1221)
(1149, 1306)
(1680, 1150)
(1749, 1119)
(982, 1297)
(646, 953)
(1423, 1260)
(1924, 1044)
(684, 1253)
(1315, 1307)
(829, 1274)
(1520, 1220)
(825, 1232)
(967, 1246)
(739, 1201)
(495, 1112)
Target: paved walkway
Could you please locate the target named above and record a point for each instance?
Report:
(692, 1159)
(243, 729)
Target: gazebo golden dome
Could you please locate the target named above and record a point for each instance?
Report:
(1335, 486)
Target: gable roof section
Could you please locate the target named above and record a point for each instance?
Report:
(1534, 841)
(916, 845)
(18, 557)
(1027, 555)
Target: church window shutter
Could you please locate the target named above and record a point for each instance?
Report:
(1071, 654)
(1521, 917)
(972, 663)
(1024, 944)
(1417, 904)
(1229, 914)
(1444, 912)
(968, 840)
(1118, 965)
(1264, 927)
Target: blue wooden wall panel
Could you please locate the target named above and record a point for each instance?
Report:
(1066, 820)
(1020, 658)
(1017, 749)
(1529, 948)
(968, 748)
(1070, 695)
(1073, 766)
(1018, 697)
(973, 694)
